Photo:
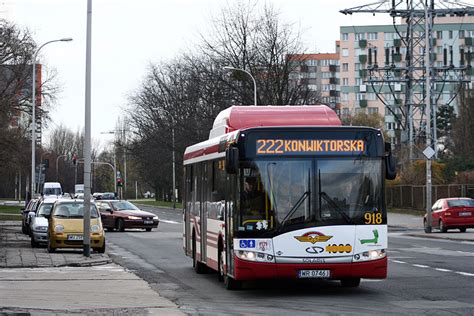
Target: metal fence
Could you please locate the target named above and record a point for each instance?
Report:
(414, 196)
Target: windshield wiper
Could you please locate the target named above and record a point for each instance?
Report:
(331, 203)
(293, 209)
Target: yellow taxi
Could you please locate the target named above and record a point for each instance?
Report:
(66, 226)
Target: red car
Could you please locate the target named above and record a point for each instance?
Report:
(452, 213)
(121, 214)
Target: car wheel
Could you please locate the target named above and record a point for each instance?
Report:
(101, 249)
(148, 229)
(50, 248)
(351, 282)
(120, 225)
(442, 227)
(462, 229)
(427, 229)
(34, 244)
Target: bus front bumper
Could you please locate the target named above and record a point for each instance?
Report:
(248, 270)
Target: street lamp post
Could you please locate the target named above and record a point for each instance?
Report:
(253, 79)
(33, 110)
(57, 160)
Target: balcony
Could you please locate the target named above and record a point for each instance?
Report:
(397, 58)
(332, 68)
(397, 42)
(333, 93)
(468, 41)
(363, 73)
(363, 59)
(397, 73)
(363, 43)
(333, 81)
(363, 103)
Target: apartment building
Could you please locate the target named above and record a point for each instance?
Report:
(361, 47)
(320, 74)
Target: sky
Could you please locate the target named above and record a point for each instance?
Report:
(127, 36)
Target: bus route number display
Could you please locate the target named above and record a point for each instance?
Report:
(308, 146)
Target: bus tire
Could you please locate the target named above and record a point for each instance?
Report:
(199, 267)
(350, 282)
(232, 284)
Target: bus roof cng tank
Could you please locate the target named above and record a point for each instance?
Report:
(241, 117)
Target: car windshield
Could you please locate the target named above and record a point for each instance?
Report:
(124, 205)
(44, 209)
(52, 191)
(461, 203)
(73, 210)
(277, 194)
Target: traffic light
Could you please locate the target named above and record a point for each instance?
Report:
(119, 182)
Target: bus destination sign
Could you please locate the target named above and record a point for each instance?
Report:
(309, 146)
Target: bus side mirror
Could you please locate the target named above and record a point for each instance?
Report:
(232, 160)
(390, 163)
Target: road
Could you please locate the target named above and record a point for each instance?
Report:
(426, 276)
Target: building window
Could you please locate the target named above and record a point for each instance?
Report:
(373, 110)
(439, 34)
(439, 49)
(360, 96)
(358, 81)
(371, 96)
(359, 36)
(345, 96)
(345, 36)
(461, 33)
(345, 52)
(357, 66)
(372, 35)
(345, 67)
(345, 81)
(388, 36)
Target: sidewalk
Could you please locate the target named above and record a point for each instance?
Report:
(35, 282)
(412, 225)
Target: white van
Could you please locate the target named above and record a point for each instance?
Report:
(52, 189)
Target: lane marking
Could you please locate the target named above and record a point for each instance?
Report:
(398, 261)
(465, 273)
(443, 270)
(169, 221)
(420, 266)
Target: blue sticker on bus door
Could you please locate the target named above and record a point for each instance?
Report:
(247, 243)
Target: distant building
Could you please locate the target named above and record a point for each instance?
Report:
(320, 74)
(455, 34)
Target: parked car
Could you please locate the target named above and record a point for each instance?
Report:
(66, 226)
(121, 214)
(31, 206)
(39, 222)
(107, 196)
(451, 213)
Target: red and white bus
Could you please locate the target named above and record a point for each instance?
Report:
(287, 192)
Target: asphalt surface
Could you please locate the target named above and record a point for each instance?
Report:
(426, 276)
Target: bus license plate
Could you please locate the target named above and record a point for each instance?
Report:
(314, 274)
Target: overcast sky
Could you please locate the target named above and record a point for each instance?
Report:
(129, 35)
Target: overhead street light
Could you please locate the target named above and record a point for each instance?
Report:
(33, 112)
(253, 79)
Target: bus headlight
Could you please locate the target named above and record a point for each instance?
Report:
(369, 255)
(254, 256)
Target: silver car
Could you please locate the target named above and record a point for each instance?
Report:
(39, 222)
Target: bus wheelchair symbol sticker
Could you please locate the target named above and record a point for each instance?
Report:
(247, 243)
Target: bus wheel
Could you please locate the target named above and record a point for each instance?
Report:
(352, 282)
(232, 284)
(199, 267)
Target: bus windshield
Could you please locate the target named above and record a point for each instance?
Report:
(280, 195)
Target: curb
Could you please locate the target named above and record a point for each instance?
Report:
(71, 264)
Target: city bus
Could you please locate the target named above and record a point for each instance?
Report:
(287, 192)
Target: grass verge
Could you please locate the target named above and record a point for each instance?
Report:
(156, 203)
(10, 209)
(10, 218)
(406, 211)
